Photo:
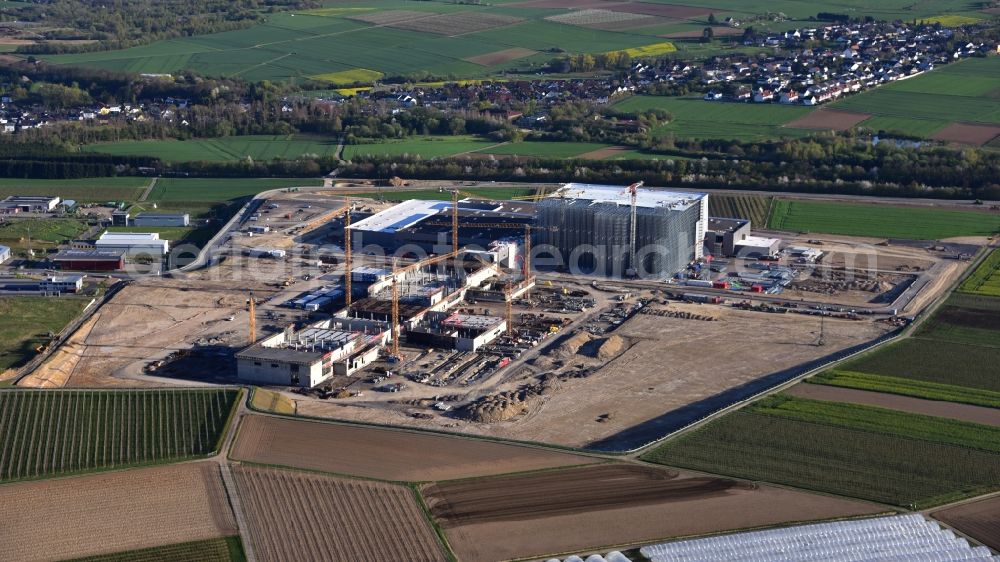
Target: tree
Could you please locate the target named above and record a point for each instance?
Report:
(707, 34)
(711, 19)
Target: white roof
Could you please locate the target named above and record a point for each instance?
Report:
(618, 195)
(758, 241)
(404, 215)
(130, 237)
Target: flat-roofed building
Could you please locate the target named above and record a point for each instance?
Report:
(162, 219)
(757, 247)
(89, 260)
(134, 243)
(29, 204)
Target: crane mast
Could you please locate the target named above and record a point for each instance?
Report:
(347, 254)
(252, 309)
(633, 269)
(395, 311)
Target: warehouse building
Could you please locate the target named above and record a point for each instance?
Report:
(89, 260)
(4, 253)
(589, 226)
(724, 233)
(52, 285)
(757, 247)
(134, 244)
(121, 217)
(161, 219)
(28, 204)
(306, 358)
(427, 224)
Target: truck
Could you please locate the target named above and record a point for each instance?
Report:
(698, 283)
(720, 285)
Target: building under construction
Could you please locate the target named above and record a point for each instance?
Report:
(597, 229)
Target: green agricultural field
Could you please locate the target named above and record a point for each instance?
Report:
(962, 91)
(333, 45)
(225, 149)
(880, 221)
(56, 432)
(908, 387)
(892, 457)
(220, 190)
(904, 125)
(700, 119)
(985, 280)
(40, 234)
(425, 147)
(25, 323)
(229, 549)
(957, 364)
(753, 207)
(543, 149)
(86, 190)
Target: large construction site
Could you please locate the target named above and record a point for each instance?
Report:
(598, 316)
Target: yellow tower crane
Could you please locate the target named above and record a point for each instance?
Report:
(252, 309)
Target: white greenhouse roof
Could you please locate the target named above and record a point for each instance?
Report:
(902, 537)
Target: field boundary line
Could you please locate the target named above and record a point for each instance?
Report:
(237, 506)
(149, 189)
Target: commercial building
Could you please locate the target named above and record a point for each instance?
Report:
(427, 225)
(4, 253)
(589, 228)
(724, 233)
(28, 204)
(134, 244)
(53, 285)
(161, 219)
(464, 332)
(89, 260)
(757, 247)
(306, 358)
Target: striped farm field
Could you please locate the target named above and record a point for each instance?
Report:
(544, 149)
(424, 147)
(753, 207)
(228, 549)
(985, 280)
(55, 432)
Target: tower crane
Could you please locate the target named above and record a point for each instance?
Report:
(347, 253)
(395, 312)
(632, 270)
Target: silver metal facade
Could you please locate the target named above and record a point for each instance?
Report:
(593, 237)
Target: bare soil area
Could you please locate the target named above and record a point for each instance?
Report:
(500, 57)
(669, 366)
(569, 4)
(459, 23)
(145, 322)
(697, 33)
(967, 133)
(383, 453)
(980, 520)
(113, 512)
(674, 11)
(829, 120)
(964, 412)
(585, 508)
(322, 518)
(603, 153)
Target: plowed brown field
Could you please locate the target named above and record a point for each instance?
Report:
(385, 454)
(967, 133)
(980, 520)
(300, 516)
(500, 57)
(113, 512)
(586, 508)
(828, 120)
